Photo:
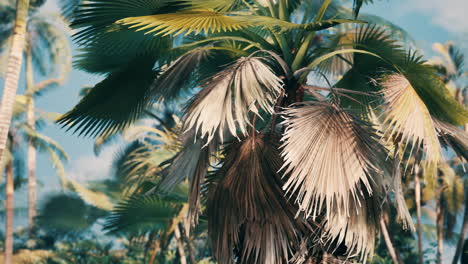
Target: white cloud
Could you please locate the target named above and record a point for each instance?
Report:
(92, 168)
(450, 14)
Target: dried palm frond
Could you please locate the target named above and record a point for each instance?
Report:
(247, 86)
(407, 116)
(250, 221)
(453, 137)
(403, 214)
(357, 232)
(330, 156)
(177, 75)
(191, 163)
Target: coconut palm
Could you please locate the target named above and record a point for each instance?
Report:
(11, 81)
(284, 147)
(46, 52)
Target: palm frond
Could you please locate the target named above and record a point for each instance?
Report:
(247, 86)
(94, 17)
(210, 21)
(114, 103)
(243, 207)
(323, 145)
(357, 232)
(219, 5)
(141, 213)
(179, 75)
(453, 137)
(407, 118)
(94, 198)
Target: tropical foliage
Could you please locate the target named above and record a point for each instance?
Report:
(303, 120)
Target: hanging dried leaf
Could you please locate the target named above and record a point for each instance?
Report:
(453, 137)
(247, 211)
(247, 86)
(357, 232)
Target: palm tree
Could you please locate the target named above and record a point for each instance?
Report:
(450, 67)
(15, 60)
(47, 48)
(284, 148)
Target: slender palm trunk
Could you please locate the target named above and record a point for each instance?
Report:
(180, 245)
(440, 228)
(15, 60)
(32, 155)
(189, 246)
(154, 252)
(417, 196)
(9, 214)
(463, 232)
(388, 242)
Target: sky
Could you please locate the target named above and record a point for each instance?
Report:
(427, 21)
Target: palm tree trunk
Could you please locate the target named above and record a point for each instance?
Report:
(9, 214)
(187, 241)
(180, 245)
(463, 232)
(154, 252)
(15, 60)
(440, 228)
(32, 155)
(388, 242)
(417, 196)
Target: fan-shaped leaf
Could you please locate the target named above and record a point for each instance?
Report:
(141, 213)
(115, 102)
(247, 86)
(244, 207)
(325, 145)
(406, 116)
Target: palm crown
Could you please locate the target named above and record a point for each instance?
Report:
(304, 168)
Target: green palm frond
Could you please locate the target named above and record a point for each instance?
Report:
(115, 103)
(219, 5)
(43, 142)
(69, 7)
(95, 17)
(117, 47)
(210, 21)
(345, 149)
(247, 86)
(49, 42)
(406, 116)
(141, 213)
(94, 198)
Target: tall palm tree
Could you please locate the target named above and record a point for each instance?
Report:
(15, 60)
(287, 150)
(450, 66)
(20, 132)
(46, 52)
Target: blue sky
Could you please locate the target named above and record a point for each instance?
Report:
(428, 21)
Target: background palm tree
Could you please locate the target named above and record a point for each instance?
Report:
(251, 60)
(47, 52)
(15, 59)
(450, 66)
